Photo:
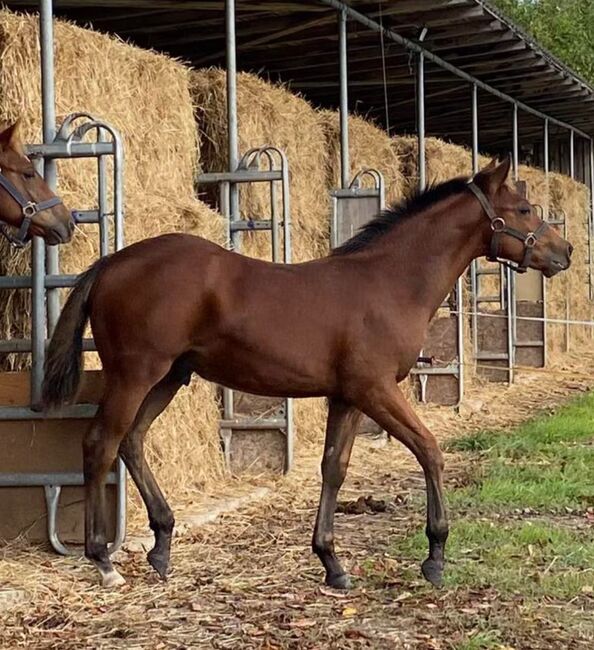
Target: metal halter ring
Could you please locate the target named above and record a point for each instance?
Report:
(498, 224)
(530, 241)
(30, 210)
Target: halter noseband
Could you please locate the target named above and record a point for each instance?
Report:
(499, 228)
(28, 208)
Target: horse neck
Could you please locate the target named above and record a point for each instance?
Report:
(432, 249)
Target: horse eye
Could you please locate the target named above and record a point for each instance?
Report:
(30, 173)
(525, 211)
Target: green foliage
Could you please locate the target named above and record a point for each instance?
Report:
(564, 27)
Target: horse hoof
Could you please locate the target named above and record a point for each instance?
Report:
(340, 581)
(159, 564)
(433, 571)
(112, 579)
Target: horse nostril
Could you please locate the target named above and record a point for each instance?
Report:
(569, 250)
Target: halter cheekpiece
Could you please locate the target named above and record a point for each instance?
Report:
(28, 209)
(500, 228)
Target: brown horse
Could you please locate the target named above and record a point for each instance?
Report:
(26, 202)
(348, 326)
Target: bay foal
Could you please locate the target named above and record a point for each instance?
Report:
(348, 326)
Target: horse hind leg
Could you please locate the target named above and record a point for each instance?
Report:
(161, 518)
(100, 449)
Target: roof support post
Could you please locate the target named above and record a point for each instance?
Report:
(345, 171)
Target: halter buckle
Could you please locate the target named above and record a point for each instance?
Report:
(498, 224)
(530, 241)
(30, 209)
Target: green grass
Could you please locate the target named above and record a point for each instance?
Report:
(481, 641)
(531, 558)
(546, 465)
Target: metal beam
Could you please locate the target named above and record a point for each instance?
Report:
(415, 47)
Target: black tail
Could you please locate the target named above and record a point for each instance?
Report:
(63, 363)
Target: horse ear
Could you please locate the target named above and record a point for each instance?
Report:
(10, 138)
(494, 175)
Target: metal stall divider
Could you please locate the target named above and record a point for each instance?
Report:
(425, 367)
(249, 171)
(69, 143)
(353, 207)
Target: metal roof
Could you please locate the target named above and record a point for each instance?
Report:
(297, 42)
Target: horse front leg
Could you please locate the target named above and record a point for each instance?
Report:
(340, 435)
(388, 407)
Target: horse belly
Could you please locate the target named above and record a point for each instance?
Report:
(254, 370)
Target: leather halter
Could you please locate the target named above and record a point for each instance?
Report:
(28, 209)
(499, 228)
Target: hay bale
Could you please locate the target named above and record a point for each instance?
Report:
(269, 114)
(443, 161)
(568, 293)
(369, 147)
(143, 94)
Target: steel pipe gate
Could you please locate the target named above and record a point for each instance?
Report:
(71, 141)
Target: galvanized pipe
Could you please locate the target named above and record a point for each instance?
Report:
(572, 175)
(38, 319)
(69, 150)
(546, 218)
(430, 56)
(474, 278)
(516, 144)
(102, 199)
(475, 130)
(46, 37)
(571, 154)
(232, 121)
(421, 120)
(509, 275)
(345, 171)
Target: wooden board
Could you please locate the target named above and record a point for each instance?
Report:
(44, 446)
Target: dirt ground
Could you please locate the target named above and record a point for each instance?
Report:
(249, 580)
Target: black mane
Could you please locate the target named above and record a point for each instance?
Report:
(414, 205)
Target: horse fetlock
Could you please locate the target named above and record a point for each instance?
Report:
(339, 581)
(437, 532)
(165, 524)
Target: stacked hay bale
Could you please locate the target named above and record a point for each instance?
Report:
(146, 96)
(369, 148)
(268, 114)
(568, 293)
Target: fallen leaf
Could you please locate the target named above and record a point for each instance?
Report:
(349, 611)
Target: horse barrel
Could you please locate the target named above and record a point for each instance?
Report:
(42, 447)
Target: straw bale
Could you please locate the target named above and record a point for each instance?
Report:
(143, 94)
(269, 114)
(568, 293)
(443, 160)
(369, 148)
